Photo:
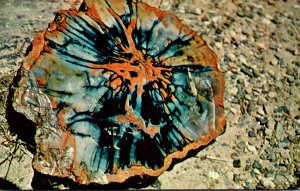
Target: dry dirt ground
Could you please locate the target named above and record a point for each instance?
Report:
(257, 43)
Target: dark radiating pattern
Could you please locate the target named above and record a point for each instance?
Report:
(118, 89)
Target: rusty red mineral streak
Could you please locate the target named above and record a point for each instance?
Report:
(137, 71)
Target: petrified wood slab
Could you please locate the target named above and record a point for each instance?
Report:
(118, 89)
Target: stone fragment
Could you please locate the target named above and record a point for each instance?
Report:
(260, 111)
(232, 57)
(251, 133)
(233, 91)
(256, 165)
(267, 182)
(247, 71)
(237, 163)
(272, 94)
(251, 148)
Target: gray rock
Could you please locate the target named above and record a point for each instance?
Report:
(279, 179)
(233, 91)
(272, 94)
(261, 100)
(279, 127)
(280, 54)
(251, 148)
(274, 61)
(285, 142)
(251, 133)
(232, 57)
(256, 165)
(271, 157)
(247, 71)
(251, 108)
(248, 89)
(290, 78)
(290, 178)
(243, 60)
(267, 182)
(257, 172)
(248, 97)
(271, 122)
(269, 132)
(260, 110)
(263, 121)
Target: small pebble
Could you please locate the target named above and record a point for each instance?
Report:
(269, 132)
(296, 6)
(274, 61)
(272, 94)
(251, 133)
(263, 120)
(248, 97)
(260, 111)
(261, 100)
(233, 110)
(234, 156)
(260, 45)
(285, 142)
(269, 109)
(251, 108)
(233, 91)
(278, 127)
(266, 21)
(271, 157)
(271, 123)
(256, 165)
(237, 163)
(247, 71)
(281, 109)
(232, 57)
(279, 179)
(242, 59)
(251, 148)
(267, 182)
(248, 90)
(256, 171)
(280, 55)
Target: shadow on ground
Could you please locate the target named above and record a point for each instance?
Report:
(18, 123)
(4, 184)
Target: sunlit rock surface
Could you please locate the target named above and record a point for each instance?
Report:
(118, 89)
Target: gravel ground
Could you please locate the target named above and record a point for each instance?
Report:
(257, 43)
